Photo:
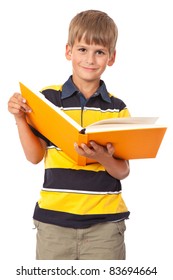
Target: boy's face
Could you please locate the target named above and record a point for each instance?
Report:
(88, 61)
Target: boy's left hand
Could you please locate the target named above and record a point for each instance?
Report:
(95, 151)
(117, 168)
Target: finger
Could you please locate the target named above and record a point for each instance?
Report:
(89, 151)
(19, 97)
(110, 149)
(78, 149)
(20, 103)
(94, 145)
(15, 106)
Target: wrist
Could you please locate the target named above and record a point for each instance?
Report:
(20, 120)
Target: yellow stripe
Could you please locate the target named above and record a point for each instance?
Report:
(90, 115)
(55, 87)
(82, 204)
(124, 113)
(58, 159)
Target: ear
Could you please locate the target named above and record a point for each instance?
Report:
(68, 52)
(112, 59)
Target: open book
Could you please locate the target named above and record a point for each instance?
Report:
(133, 138)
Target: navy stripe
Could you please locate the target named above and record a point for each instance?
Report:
(74, 221)
(61, 178)
(55, 97)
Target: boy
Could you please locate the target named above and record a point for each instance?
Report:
(81, 213)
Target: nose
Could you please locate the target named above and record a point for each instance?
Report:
(90, 58)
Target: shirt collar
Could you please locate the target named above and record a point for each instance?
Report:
(69, 89)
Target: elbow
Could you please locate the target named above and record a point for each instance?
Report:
(35, 156)
(34, 160)
(124, 174)
(125, 171)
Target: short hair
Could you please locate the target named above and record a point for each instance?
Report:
(94, 27)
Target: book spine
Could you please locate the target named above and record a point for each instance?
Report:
(83, 131)
(83, 138)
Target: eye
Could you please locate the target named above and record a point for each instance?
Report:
(100, 52)
(82, 50)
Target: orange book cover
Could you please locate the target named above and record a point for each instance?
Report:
(133, 138)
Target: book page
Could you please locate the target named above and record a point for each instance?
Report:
(105, 127)
(130, 120)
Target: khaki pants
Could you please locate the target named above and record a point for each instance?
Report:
(104, 241)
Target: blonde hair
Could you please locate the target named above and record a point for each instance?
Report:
(94, 27)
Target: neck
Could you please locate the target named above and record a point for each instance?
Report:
(87, 88)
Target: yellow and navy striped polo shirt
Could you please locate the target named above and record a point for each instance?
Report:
(72, 195)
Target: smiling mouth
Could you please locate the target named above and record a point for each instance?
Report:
(89, 68)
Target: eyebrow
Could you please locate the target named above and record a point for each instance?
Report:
(98, 47)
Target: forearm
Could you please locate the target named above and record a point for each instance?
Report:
(33, 148)
(117, 168)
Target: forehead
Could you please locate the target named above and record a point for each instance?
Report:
(93, 45)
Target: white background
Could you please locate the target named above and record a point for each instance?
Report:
(33, 35)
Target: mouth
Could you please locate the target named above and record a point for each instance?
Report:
(90, 69)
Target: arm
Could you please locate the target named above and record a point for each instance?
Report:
(34, 147)
(117, 168)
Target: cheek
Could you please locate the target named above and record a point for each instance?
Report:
(75, 59)
(75, 63)
(103, 64)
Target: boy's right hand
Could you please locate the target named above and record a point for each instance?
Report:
(17, 106)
